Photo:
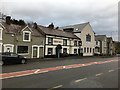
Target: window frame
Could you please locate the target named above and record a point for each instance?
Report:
(29, 36)
(50, 42)
(76, 51)
(51, 51)
(22, 52)
(88, 38)
(65, 49)
(1, 33)
(84, 49)
(64, 42)
(75, 43)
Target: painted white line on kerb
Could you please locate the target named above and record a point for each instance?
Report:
(111, 70)
(17, 76)
(98, 74)
(80, 80)
(23, 75)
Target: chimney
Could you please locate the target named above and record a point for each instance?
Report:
(51, 26)
(35, 25)
(8, 20)
(57, 28)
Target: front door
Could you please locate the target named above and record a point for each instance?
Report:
(35, 52)
(41, 53)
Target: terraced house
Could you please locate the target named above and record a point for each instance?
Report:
(87, 35)
(22, 39)
(58, 41)
(103, 44)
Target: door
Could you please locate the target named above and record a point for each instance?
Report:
(35, 52)
(41, 54)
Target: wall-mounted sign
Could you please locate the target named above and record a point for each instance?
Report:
(57, 41)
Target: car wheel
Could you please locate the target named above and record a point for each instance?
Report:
(23, 61)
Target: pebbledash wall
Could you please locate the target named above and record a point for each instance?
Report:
(14, 41)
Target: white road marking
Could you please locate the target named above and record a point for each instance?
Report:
(80, 80)
(58, 86)
(98, 74)
(55, 87)
(37, 71)
(111, 70)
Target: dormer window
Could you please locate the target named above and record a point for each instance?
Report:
(26, 36)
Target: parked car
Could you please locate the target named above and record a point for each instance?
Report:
(8, 57)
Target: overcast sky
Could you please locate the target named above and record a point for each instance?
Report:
(102, 14)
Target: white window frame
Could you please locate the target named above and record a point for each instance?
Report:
(1, 33)
(1, 47)
(5, 45)
(29, 36)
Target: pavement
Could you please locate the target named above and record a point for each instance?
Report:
(93, 73)
(50, 62)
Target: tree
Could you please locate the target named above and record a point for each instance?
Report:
(21, 22)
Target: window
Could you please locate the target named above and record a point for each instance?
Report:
(65, 50)
(79, 43)
(96, 42)
(90, 50)
(50, 40)
(75, 51)
(26, 36)
(75, 43)
(87, 50)
(8, 48)
(0, 34)
(65, 42)
(88, 38)
(84, 49)
(50, 51)
(22, 49)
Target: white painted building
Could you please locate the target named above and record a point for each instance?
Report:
(69, 42)
(87, 35)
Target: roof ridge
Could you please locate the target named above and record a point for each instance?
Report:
(76, 24)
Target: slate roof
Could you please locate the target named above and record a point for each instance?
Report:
(16, 29)
(79, 27)
(100, 37)
(109, 39)
(57, 32)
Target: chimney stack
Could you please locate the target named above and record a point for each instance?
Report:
(35, 25)
(51, 26)
(8, 20)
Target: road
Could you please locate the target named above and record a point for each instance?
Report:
(72, 73)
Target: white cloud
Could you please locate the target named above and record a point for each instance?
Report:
(102, 14)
